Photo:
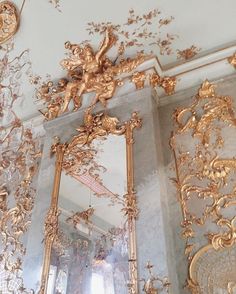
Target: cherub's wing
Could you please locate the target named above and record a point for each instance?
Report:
(109, 40)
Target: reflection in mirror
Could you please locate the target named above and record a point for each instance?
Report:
(85, 230)
(90, 252)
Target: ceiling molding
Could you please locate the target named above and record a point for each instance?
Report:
(189, 74)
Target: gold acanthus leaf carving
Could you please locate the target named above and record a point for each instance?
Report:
(51, 224)
(218, 169)
(207, 90)
(188, 53)
(138, 78)
(95, 126)
(216, 108)
(232, 60)
(225, 239)
(202, 174)
(85, 216)
(168, 84)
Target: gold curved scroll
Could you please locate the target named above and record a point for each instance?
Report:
(95, 126)
(192, 281)
(9, 20)
(202, 173)
(226, 280)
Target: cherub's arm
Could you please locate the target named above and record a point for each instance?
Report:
(107, 43)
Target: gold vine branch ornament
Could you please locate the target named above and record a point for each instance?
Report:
(137, 32)
(205, 176)
(89, 71)
(150, 286)
(9, 20)
(96, 126)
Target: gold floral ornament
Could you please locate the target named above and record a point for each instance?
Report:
(83, 216)
(138, 78)
(225, 239)
(150, 285)
(232, 60)
(88, 71)
(188, 53)
(166, 83)
(205, 176)
(207, 90)
(95, 126)
(9, 20)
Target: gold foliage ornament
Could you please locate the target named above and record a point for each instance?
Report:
(232, 60)
(95, 126)
(90, 71)
(205, 175)
(9, 20)
(150, 285)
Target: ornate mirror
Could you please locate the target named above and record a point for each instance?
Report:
(90, 242)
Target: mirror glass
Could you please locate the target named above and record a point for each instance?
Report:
(90, 252)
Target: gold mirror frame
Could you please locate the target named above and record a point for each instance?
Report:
(95, 126)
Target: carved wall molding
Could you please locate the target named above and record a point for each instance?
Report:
(202, 173)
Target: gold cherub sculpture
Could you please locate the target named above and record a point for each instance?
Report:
(88, 71)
